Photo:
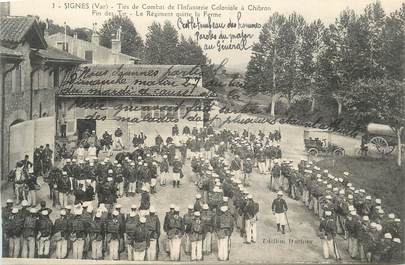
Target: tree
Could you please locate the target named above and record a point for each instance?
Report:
(265, 65)
(290, 53)
(82, 33)
(372, 23)
(379, 100)
(393, 45)
(189, 52)
(311, 49)
(340, 61)
(170, 39)
(154, 51)
(161, 44)
(131, 41)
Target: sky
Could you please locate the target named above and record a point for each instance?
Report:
(76, 14)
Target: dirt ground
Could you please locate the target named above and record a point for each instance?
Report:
(300, 245)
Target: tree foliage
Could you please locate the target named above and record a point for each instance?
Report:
(131, 41)
(296, 59)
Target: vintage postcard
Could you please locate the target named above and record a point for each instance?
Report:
(202, 131)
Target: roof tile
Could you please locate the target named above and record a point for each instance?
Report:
(13, 29)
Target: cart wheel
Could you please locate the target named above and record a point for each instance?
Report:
(339, 152)
(380, 145)
(313, 152)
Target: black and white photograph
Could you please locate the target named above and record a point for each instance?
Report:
(153, 131)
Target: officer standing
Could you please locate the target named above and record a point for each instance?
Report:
(187, 219)
(164, 170)
(279, 208)
(196, 235)
(113, 236)
(14, 225)
(175, 230)
(247, 170)
(61, 235)
(153, 225)
(177, 172)
(166, 227)
(78, 234)
(96, 235)
(130, 227)
(29, 235)
(250, 214)
(141, 240)
(45, 228)
(63, 186)
(275, 174)
(327, 229)
(207, 219)
(224, 231)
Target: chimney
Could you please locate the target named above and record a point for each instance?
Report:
(4, 9)
(95, 38)
(46, 31)
(116, 43)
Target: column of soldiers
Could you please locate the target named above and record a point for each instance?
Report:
(88, 233)
(370, 234)
(84, 232)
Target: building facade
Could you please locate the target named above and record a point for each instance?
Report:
(134, 98)
(92, 52)
(28, 84)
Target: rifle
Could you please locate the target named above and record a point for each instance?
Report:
(288, 223)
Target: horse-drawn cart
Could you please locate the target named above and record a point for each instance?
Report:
(380, 138)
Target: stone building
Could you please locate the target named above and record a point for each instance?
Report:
(92, 52)
(30, 73)
(135, 98)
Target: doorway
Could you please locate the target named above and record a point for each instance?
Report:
(84, 127)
